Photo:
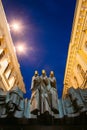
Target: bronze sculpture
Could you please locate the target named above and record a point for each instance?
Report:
(53, 93)
(43, 103)
(76, 98)
(35, 88)
(45, 97)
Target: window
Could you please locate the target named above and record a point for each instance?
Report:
(85, 46)
(79, 67)
(2, 53)
(11, 81)
(76, 82)
(7, 74)
(80, 70)
(4, 64)
(1, 50)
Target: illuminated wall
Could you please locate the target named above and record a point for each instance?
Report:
(10, 75)
(76, 66)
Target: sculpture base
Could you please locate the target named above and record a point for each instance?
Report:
(43, 124)
(42, 127)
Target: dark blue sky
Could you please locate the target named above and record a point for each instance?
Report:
(47, 28)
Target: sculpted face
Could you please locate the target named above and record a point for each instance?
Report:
(36, 73)
(51, 74)
(43, 72)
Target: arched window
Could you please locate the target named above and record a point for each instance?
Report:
(76, 82)
(79, 67)
(2, 53)
(85, 46)
(80, 70)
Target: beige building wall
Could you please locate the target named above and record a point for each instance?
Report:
(10, 75)
(76, 66)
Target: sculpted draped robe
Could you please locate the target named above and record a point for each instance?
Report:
(45, 99)
(54, 96)
(35, 98)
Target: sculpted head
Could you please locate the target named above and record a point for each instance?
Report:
(43, 72)
(51, 74)
(36, 73)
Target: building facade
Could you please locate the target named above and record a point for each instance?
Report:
(10, 75)
(76, 66)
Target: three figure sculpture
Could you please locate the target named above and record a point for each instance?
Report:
(44, 99)
(44, 103)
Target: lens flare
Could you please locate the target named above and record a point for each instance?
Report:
(15, 26)
(23, 49)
